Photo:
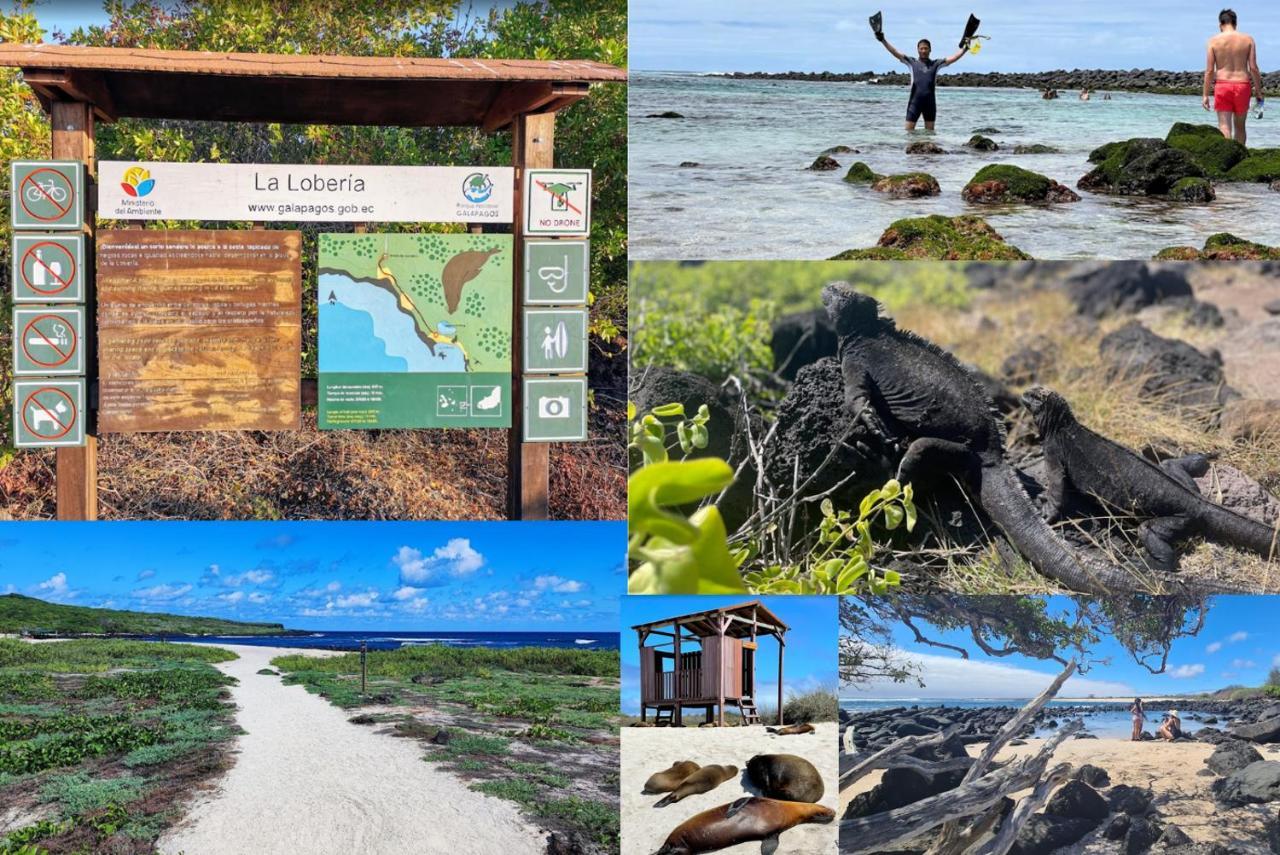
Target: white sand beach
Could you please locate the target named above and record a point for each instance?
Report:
(649, 750)
(306, 780)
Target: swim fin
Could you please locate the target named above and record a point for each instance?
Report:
(877, 23)
(970, 30)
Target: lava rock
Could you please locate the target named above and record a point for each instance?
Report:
(1044, 833)
(1139, 167)
(1118, 827)
(1002, 183)
(1130, 800)
(910, 185)
(925, 147)
(1142, 835)
(1035, 148)
(1094, 776)
(839, 149)
(1232, 756)
(801, 339)
(823, 163)
(978, 142)
(1263, 730)
(1171, 372)
(1077, 800)
(860, 173)
(1209, 149)
(963, 238)
(1257, 783)
(665, 114)
(1125, 286)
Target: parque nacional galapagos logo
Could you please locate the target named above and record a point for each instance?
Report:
(137, 181)
(477, 187)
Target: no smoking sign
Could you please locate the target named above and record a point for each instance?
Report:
(48, 413)
(48, 268)
(48, 342)
(47, 194)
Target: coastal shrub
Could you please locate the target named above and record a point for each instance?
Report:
(463, 744)
(815, 706)
(196, 687)
(76, 793)
(26, 687)
(682, 331)
(1262, 164)
(155, 755)
(99, 654)
(19, 613)
(447, 661)
(600, 820)
(514, 789)
(49, 751)
(22, 840)
(1210, 150)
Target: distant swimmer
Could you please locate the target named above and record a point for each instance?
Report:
(1084, 94)
(1231, 68)
(924, 75)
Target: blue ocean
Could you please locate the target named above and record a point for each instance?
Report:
(749, 196)
(392, 640)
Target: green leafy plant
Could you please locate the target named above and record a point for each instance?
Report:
(675, 553)
(841, 562)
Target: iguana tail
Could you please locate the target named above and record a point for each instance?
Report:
(1007, 503)
(1227, 526)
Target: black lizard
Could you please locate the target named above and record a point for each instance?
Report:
(906, 389)
(1079, 458)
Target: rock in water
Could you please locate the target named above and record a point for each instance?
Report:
(823, 163)
(963, 238)
(1257, 783)
(978, 142)
(1139, 167)
(1221, 247)
(1077, 800)
(1232, 756)
(1000, 182)
(1211, 151)
(460, 270)
(860, 173)
(925, 147)
(911, 185)
(840, 149)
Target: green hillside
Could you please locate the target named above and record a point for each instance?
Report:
(27, 614)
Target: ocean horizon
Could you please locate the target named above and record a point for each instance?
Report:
(395, 639)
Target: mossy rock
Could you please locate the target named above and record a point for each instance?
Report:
(839, 149)
(1000, 182)
(963, 238)
(1221, 247)
(1210, 150)
(823, 163)
(1035, 148)
(1261, 164)
(860, 173)
(925, 147)
(986, 130)
(1193, 190)
(980, 143)
(1139, 167)
(909, 185)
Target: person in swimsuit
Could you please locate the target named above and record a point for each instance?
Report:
(924, 79)
(1232, 70)
(1171, 727)
(1139, 714)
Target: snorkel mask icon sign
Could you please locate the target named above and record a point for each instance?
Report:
(555, 277)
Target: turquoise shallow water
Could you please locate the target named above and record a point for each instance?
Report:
(751, 197)
(1108, 721)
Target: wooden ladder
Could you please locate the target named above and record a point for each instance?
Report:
(747, 707)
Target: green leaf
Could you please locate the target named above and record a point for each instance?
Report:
(892, 516)
(667, 411)
(631, 411)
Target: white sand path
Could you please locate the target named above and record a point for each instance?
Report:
(307, 780)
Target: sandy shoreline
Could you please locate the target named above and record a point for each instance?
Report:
(306, 780)
(649, 750)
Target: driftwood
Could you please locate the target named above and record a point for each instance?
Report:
(875, 832)
(886, 756)
(1004, 840)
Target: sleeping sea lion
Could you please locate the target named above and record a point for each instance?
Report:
(704, 780)
(668, 779)
(791, 729)
(786, 777)
(742, 821)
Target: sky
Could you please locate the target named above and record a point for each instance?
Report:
(412, 576)
(1026, 35)
(1239, 644)
(809, 662)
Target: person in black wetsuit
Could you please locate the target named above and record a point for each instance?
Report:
(924, 78)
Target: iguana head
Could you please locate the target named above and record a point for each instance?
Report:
(1048, 409)
(852, 313)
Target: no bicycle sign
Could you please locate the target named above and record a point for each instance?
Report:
(47, 194)
(48, 413)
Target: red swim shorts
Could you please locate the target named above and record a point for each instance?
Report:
(1232, 96)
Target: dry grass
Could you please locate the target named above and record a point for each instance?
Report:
(313, 474)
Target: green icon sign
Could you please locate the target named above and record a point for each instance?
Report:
(48, 341)
(556, 272)
(555, 409)
(47, 194)
(48, 413)
(555, 341)
(48, 268)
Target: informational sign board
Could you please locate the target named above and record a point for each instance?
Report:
(47, 194)
(199, 330)
(557, 202)
(296, 193)
(556, 272)
(555, 341)
(555, 409)
(48, 413)
(415, 330)
(48, 342)
(48, 268)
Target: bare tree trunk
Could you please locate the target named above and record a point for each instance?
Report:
(881, 759)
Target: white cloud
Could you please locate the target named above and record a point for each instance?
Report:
(162, 592)
(55, 585)
(259, 597)
(1214, 647)
(1243, 664)
(348, 601)
(1237, 636)
(1184, 672)
(557, 584)
(417, 604)
(253, 577)
(406, 592)
(953, 677)
(145, 574)
(456, 558)
(233, 597)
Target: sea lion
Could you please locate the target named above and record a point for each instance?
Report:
(704, 780)
(742, 821)
(786, 777)
(792, 729)
(668, 779)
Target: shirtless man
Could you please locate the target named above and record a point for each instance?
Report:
(1232, 70)
(924, 79)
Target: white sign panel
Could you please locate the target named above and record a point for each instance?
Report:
(130, 190)
(557, 202)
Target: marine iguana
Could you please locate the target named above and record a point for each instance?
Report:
(904, 388)
(1079, 458)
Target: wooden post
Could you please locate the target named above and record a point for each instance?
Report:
(364, 653)
(77, 468)
(528, 463)
(782, 648)
(723, 622)
(678, 719)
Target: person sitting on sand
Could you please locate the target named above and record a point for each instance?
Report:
(1232, 70)
(1139, 714)
(924, 79)
(1171, 727)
